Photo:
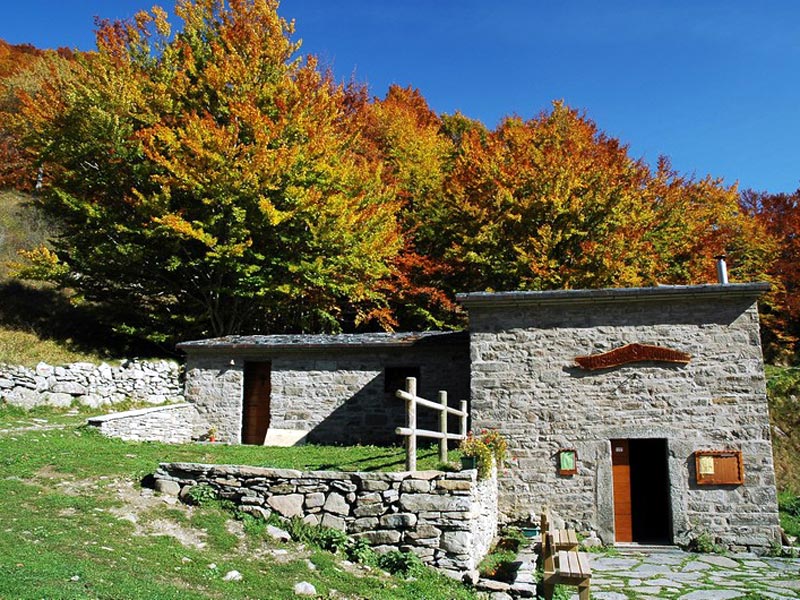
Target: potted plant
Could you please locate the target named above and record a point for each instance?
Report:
(482, 452)
(212, 434)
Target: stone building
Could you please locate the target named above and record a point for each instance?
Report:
(284, 389)
(651, 451)
(658, 433)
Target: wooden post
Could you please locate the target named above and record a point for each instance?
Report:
(463, 431)
(443, 427)
(411, 409)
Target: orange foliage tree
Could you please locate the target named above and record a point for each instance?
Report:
(779, 214)
(555, 203)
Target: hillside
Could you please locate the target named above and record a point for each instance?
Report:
(40, 323)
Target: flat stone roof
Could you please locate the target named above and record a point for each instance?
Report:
(614, 295)
(309, 341)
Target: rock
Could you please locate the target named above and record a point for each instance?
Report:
(290, 505)
(398, 521)
(69, 387)
(378, 538)
(232, 576)
(167, 487)
(304, 588)
(44, 370)
(276, 533)
(93, 400)
(333, 522)
(22, 397)
(256, 511)
(57, 400)
(336, 504)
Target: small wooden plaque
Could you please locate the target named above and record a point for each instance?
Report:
(567, 461)
(719, 467)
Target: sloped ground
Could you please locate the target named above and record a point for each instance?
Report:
(74, 524)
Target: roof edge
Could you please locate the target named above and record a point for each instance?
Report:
(318, 342)
(613, 295)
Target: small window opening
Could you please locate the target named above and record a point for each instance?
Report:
(394, 378)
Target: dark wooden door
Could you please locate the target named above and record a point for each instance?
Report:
(255, 402)
(621, 466)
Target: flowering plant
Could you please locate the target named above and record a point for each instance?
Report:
(489, 447)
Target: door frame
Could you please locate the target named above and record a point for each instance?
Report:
(677, 472)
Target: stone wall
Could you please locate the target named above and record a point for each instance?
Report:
(526, 384)
(326, 395)
(447, 519)
(155, 382)
(173, 424)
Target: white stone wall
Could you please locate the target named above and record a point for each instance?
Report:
(447, 519)
(525, 383)
(336, 395)
(173, 424)
(88, 384)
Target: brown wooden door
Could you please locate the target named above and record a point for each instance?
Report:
(255, 402)
(621, 466)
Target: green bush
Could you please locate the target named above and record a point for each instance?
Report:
(202, 495)
(405, 564)
(359, 551)
(789, 507)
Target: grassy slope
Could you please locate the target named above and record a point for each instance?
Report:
(37, 322)
(64, 494)
(783, 388)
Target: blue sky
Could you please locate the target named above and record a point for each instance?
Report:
(713, 84)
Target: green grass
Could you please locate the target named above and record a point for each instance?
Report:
(783, 391)
(28, 349)
(62, 492)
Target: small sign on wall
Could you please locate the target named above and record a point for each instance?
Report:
(719, 467)
(567, 461)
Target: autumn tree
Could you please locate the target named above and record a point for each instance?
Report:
(407, 137)
(553, 202)
(779, 214)
(208, 182)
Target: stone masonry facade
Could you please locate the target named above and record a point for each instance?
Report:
(172, 424)
(333, 394)
(87, 384)
(526, 384)
(447, 519)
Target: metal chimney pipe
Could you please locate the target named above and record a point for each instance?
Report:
(722, 270)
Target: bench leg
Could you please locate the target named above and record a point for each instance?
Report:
(583, 592)
(549, 588)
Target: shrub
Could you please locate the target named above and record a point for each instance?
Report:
(202, 495)
(401, 563)
(359, 551)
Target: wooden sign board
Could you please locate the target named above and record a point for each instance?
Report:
(631, 353)
(567, 461)
(719, 467)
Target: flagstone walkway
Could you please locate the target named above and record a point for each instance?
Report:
(679, 575)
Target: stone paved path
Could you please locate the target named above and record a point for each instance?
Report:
(679, 575)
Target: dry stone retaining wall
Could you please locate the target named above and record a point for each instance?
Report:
(447, 519)
(155, 382)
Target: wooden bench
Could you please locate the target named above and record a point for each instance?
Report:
(566, 567)
(563, 564)
(563, 539)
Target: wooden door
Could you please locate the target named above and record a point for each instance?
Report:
(255, 402)
(621, 466)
